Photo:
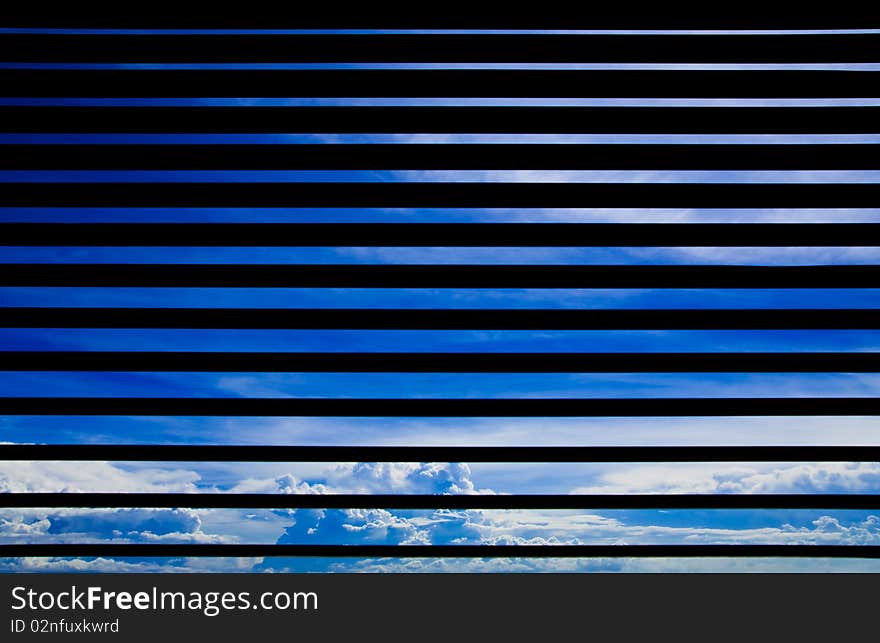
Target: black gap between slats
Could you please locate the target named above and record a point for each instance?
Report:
(441, 195)
(443, 551)
(438, 276)
(441, 234)
(444, 120)
(442, 318)
(509, 83)
(415, 502)
(282, 453)
(433, 156)
(345, 83)
(437, 48)
(455, 362)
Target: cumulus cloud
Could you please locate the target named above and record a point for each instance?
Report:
(521, 528)
(286, 483)
(353, 526)
(373, 477)
(406, 477)
(100, 525)
(414, 528)
(377, 526)
(557, 528)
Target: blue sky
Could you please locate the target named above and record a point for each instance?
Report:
(440, 527)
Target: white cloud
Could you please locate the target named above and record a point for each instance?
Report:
(827, 477)
(372, 477)
(22, 477)
(604, 565)
(441, 527)
(106, 525)
(118, 566)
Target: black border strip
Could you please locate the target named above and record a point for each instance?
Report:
(441, 551)
(442, 195)
(459, 48)
(440, 407)
(441, 234)
(401, 18)
(415, 502)
(450, 362)
(250, 453)
(437, 276)
(441, 318)
(438, 156)
(442, 83)
(446, 119)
